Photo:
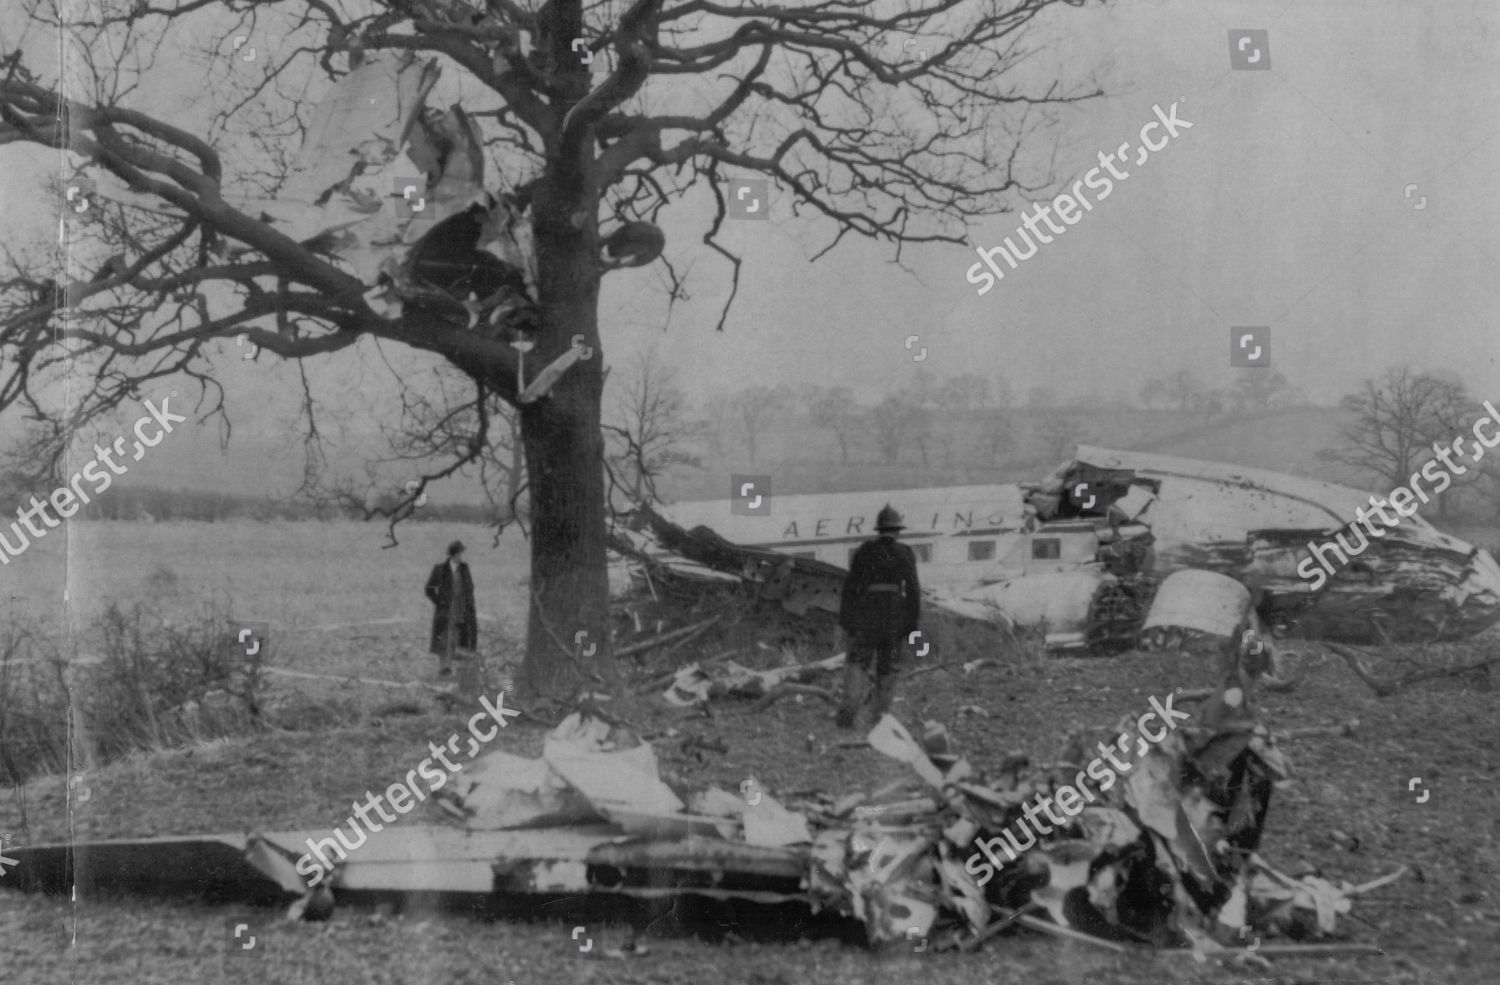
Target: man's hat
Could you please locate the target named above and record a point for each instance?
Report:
(888, 519)
(455, 547)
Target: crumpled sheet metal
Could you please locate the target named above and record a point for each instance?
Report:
(1414, 584)
(1157, 859)
(500, 791)
(587, 772)
(369, 129)
(1144, 864)
(361, 122)
(769, 824)
(590, 771)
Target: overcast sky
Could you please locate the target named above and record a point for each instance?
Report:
(1284, 206)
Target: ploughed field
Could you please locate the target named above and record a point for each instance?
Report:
(339, 604)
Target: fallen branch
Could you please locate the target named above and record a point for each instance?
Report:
(1010, 917)
(1347, 728)
(1381, 688)
(1386, 688)
(1374, 884)
(1067, 933)
(1294, 950)
(350, 678)
(687, 632)
(662, 680)
(923, 670)
(781, 690)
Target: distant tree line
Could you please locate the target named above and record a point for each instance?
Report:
(969, 421)
(148, 503)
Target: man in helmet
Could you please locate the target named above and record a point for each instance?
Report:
(880, 607)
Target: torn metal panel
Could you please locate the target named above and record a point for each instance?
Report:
(1058, 600)
(705, 862)
(361, 122)
(1200, 600)
(1412, 584)
(368, 130)
(501, 791)
(436, 858)
(203, 864)
(619, 780)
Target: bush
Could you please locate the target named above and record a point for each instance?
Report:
(33, 704)
(152, 685)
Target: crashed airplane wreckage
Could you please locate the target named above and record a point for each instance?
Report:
(394, 190)
(1169, 856)
(1111, 551)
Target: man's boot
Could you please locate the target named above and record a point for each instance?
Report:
(856, 687)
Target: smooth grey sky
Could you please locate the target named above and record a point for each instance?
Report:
(1283, 206)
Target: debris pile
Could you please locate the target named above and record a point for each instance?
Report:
(1165, 853)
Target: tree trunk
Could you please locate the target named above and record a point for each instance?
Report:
(568, 626)
(567, 633)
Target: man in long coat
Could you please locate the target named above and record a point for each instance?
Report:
(455, 621)
(881, 606)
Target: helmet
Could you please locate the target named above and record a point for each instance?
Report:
(888, 519)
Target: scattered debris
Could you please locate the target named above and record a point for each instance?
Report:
(695, 683)
(1170, 856)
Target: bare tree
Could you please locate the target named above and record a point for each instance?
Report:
(753, 410)
(1058, 434)
(1255, 389)
(995, 436)
(650, 432)
(1212, 401)
(835, 410)
(1183, 389)
(443, 417)
(1397, 421)
(888, 424)
(925, 389)
(919, 428)
(1489, 481)
(965, 392)
(1152, 392)
(205, 240)
(717, 415)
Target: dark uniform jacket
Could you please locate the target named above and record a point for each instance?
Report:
(882, 597)
(440, 591)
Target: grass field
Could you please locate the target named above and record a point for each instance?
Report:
(339, 604)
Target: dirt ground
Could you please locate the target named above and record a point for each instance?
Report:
(1348, 812)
